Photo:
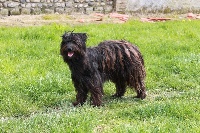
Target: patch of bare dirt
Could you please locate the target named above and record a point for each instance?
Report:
(37, 20)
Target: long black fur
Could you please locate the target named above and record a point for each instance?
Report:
(116, 60)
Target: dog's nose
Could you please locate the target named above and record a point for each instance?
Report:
(69, 49)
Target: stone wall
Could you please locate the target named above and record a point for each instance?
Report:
(121, 5)
(17, 7)
(163, 6)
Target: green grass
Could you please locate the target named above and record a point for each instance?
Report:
(36, 89)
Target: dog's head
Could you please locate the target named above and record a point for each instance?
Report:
(73, 45)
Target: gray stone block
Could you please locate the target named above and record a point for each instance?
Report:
(89, 10)
(35, 1)
(12, 4)
(56, 1)
(4, 11)
(100, 8)
(80, 5)
(76, 1)
(26, 11)
(109, 2)
(59, 4)
(28, 5)
(15, 11)
(68, 10)
(108, 9)
(50, 5)
(48, 11)
(44, 5)
(5, 4)
(85, 6)
(40, 5)
(80, 10)
(33, 5)
(59, 10)
(103, 4)
(2, 1)
(36, 11)
(23, 5)
(91, 4)
(69, 4)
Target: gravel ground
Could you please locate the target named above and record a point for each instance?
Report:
(37, 20)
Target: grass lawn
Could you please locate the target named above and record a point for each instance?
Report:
(36, 89)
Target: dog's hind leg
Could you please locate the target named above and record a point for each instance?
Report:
(120, 89)
(140, 89)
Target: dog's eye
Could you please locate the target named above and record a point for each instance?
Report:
(74, 42)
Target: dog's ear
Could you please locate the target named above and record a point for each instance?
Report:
(83, 36)
(64, 35)
(67, 35)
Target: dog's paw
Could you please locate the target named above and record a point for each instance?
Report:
(75, 103)
(116, 95)
(141, 96)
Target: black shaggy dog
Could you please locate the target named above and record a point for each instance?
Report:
(117, 61)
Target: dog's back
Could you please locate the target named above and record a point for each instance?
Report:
(118, 59)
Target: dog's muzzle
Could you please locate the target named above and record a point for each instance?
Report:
(70, 54)
(67, 50)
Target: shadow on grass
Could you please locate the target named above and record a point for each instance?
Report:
(127, 99)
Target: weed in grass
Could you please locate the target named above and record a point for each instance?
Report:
(51, 17)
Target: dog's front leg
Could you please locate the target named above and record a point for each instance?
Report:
(96, 96)
(80, 98)
(81, 95)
